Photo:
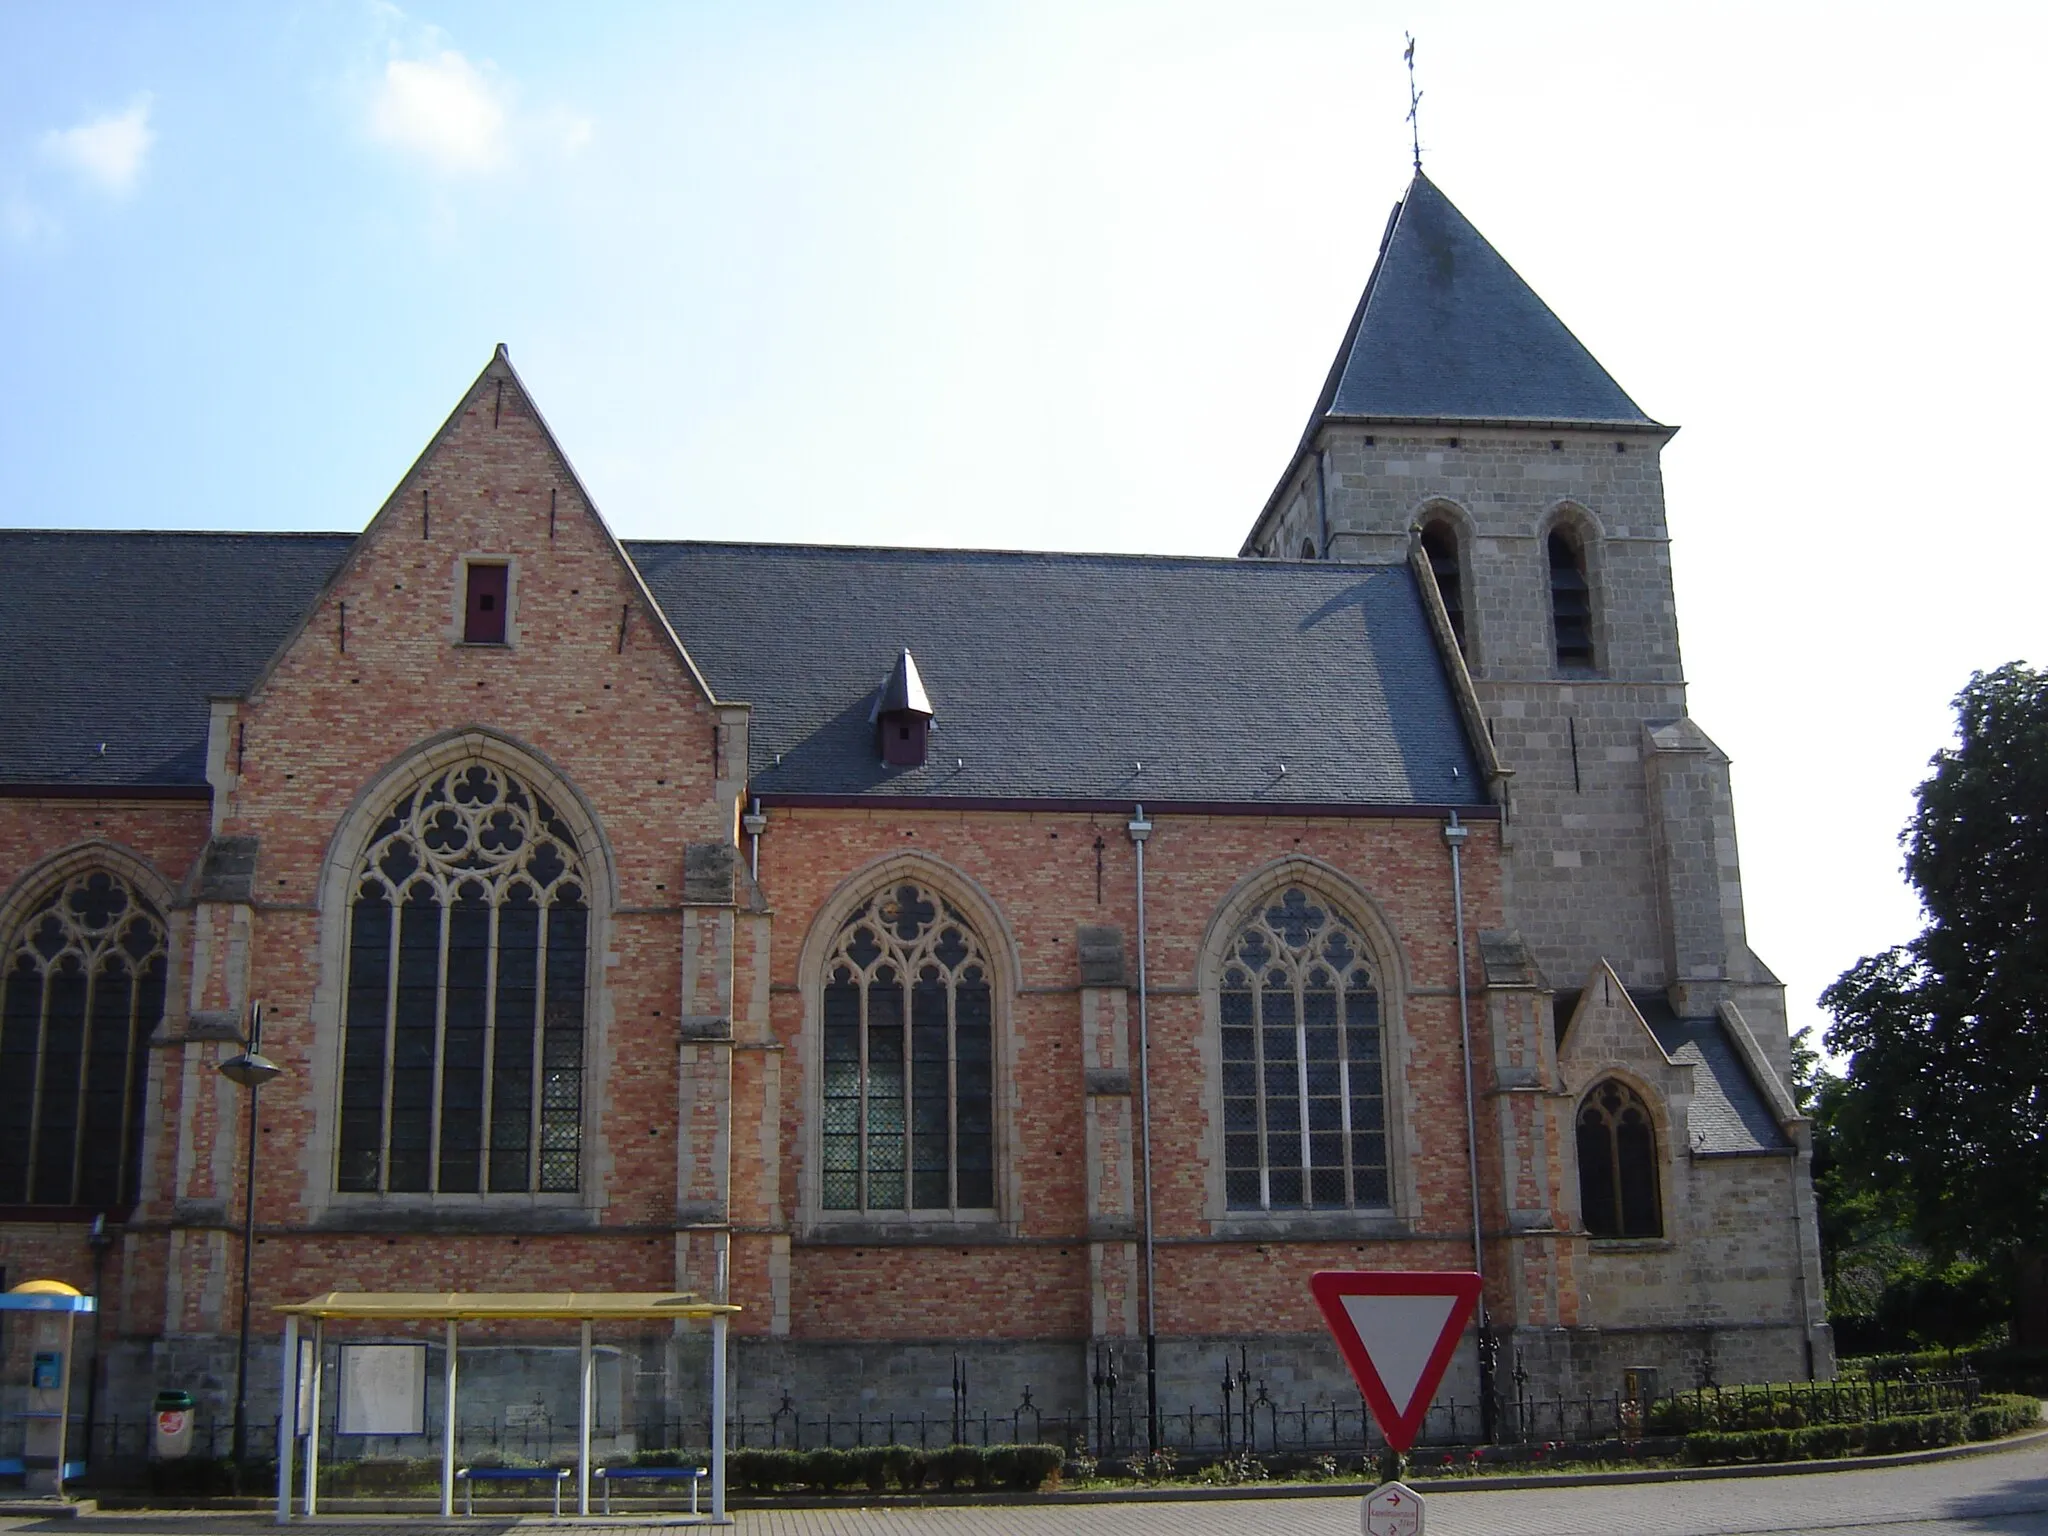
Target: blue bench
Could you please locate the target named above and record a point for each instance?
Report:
(469, 1477)
(610, 1475)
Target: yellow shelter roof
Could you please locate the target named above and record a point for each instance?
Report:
(597, 1306)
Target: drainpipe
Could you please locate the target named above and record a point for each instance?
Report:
(1140, 829)
(1455, 835)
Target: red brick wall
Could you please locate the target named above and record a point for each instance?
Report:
(1040, 872)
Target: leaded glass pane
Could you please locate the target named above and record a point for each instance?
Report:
(83, 991)
(1303, 1086)
(907, 1088)
(464, 1021)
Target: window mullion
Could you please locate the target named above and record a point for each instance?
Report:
(1342, 1003)
(953, 1094)
(391, 967)
(908, 1073)
(488, 1065)
(861, 1083)
(84, 1069)
(127, 1137)
(1259, 1089)
(447, 900)
(1308, 1167)
(534, 1077)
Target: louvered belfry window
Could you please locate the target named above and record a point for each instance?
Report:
(909, 1058)
(84, 991)
(1618, 1164)
(1304, 1081)
(1571, 603)
(463, 1039)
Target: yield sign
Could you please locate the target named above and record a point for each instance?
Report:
(1397, 1329)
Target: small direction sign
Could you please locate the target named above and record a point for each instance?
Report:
(1393, 1509)
(1397, 1330)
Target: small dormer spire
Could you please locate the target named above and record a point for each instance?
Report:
(902, 715)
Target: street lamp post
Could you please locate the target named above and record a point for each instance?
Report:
(250, 1070)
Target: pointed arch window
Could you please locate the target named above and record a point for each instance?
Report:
(1304, 1077)
(83, 992)
(468, 961)
(909, 1060)
(1618, 1164)
(1440, 545)
(1571, 601)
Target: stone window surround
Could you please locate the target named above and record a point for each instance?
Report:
(1577, 520)
(999, 946)
(458, 600)
(1668, 1194)
(325, 1205)
(1388, 963)
(99, 854)
(1450, 514)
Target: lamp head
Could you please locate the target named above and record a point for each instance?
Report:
(250, 1070)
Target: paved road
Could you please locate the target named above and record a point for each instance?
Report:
(2000, 1495)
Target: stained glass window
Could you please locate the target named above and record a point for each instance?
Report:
(1304, 1081)
(83, 992)
(1618, 1164)
(909, 1060)
(463, 1033)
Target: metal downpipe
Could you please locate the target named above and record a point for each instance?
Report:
(1140, 829)
(1455, 835)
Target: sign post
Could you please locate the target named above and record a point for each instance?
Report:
(1397, 1331)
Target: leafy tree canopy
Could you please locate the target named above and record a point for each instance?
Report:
(1944, 1108)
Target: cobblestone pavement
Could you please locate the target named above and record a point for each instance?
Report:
(1999, 1495)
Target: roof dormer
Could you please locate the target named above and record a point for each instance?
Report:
(902, 715)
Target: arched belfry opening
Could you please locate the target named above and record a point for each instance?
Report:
(1440, 545)
(1571, 600)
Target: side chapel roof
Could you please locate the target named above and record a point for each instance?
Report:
(1066, 677)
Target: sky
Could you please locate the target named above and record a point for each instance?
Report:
(1058, 275)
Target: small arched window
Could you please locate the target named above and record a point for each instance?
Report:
(1304, 1086)
(1618, 1164)
(84, 991)
(1308, 549)
(1440, 544)
(909, 1060)
(468, 953)
(1571, 601)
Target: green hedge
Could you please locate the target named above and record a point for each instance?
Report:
(1990, 1419)
(1800, 1405)
(901, 1468)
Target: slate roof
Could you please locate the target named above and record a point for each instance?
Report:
(1447, 330)
(1730, 1115)
(1053, 676)
(120, 638)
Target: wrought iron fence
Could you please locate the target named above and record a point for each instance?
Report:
(1247, 1419)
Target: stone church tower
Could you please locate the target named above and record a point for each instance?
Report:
(1464, 425)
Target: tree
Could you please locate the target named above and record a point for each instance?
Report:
(1944, 1106)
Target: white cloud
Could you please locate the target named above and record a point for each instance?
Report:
(444, 110)
(26, 224)
(108, 151)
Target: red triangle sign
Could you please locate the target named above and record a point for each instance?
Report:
(1397, 1330)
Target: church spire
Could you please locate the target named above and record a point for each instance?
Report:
(1447, 331)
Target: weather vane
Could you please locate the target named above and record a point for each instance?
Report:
(1414, 105)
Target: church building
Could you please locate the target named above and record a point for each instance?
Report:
(962, 961)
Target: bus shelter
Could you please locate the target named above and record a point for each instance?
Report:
(453, 1308)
